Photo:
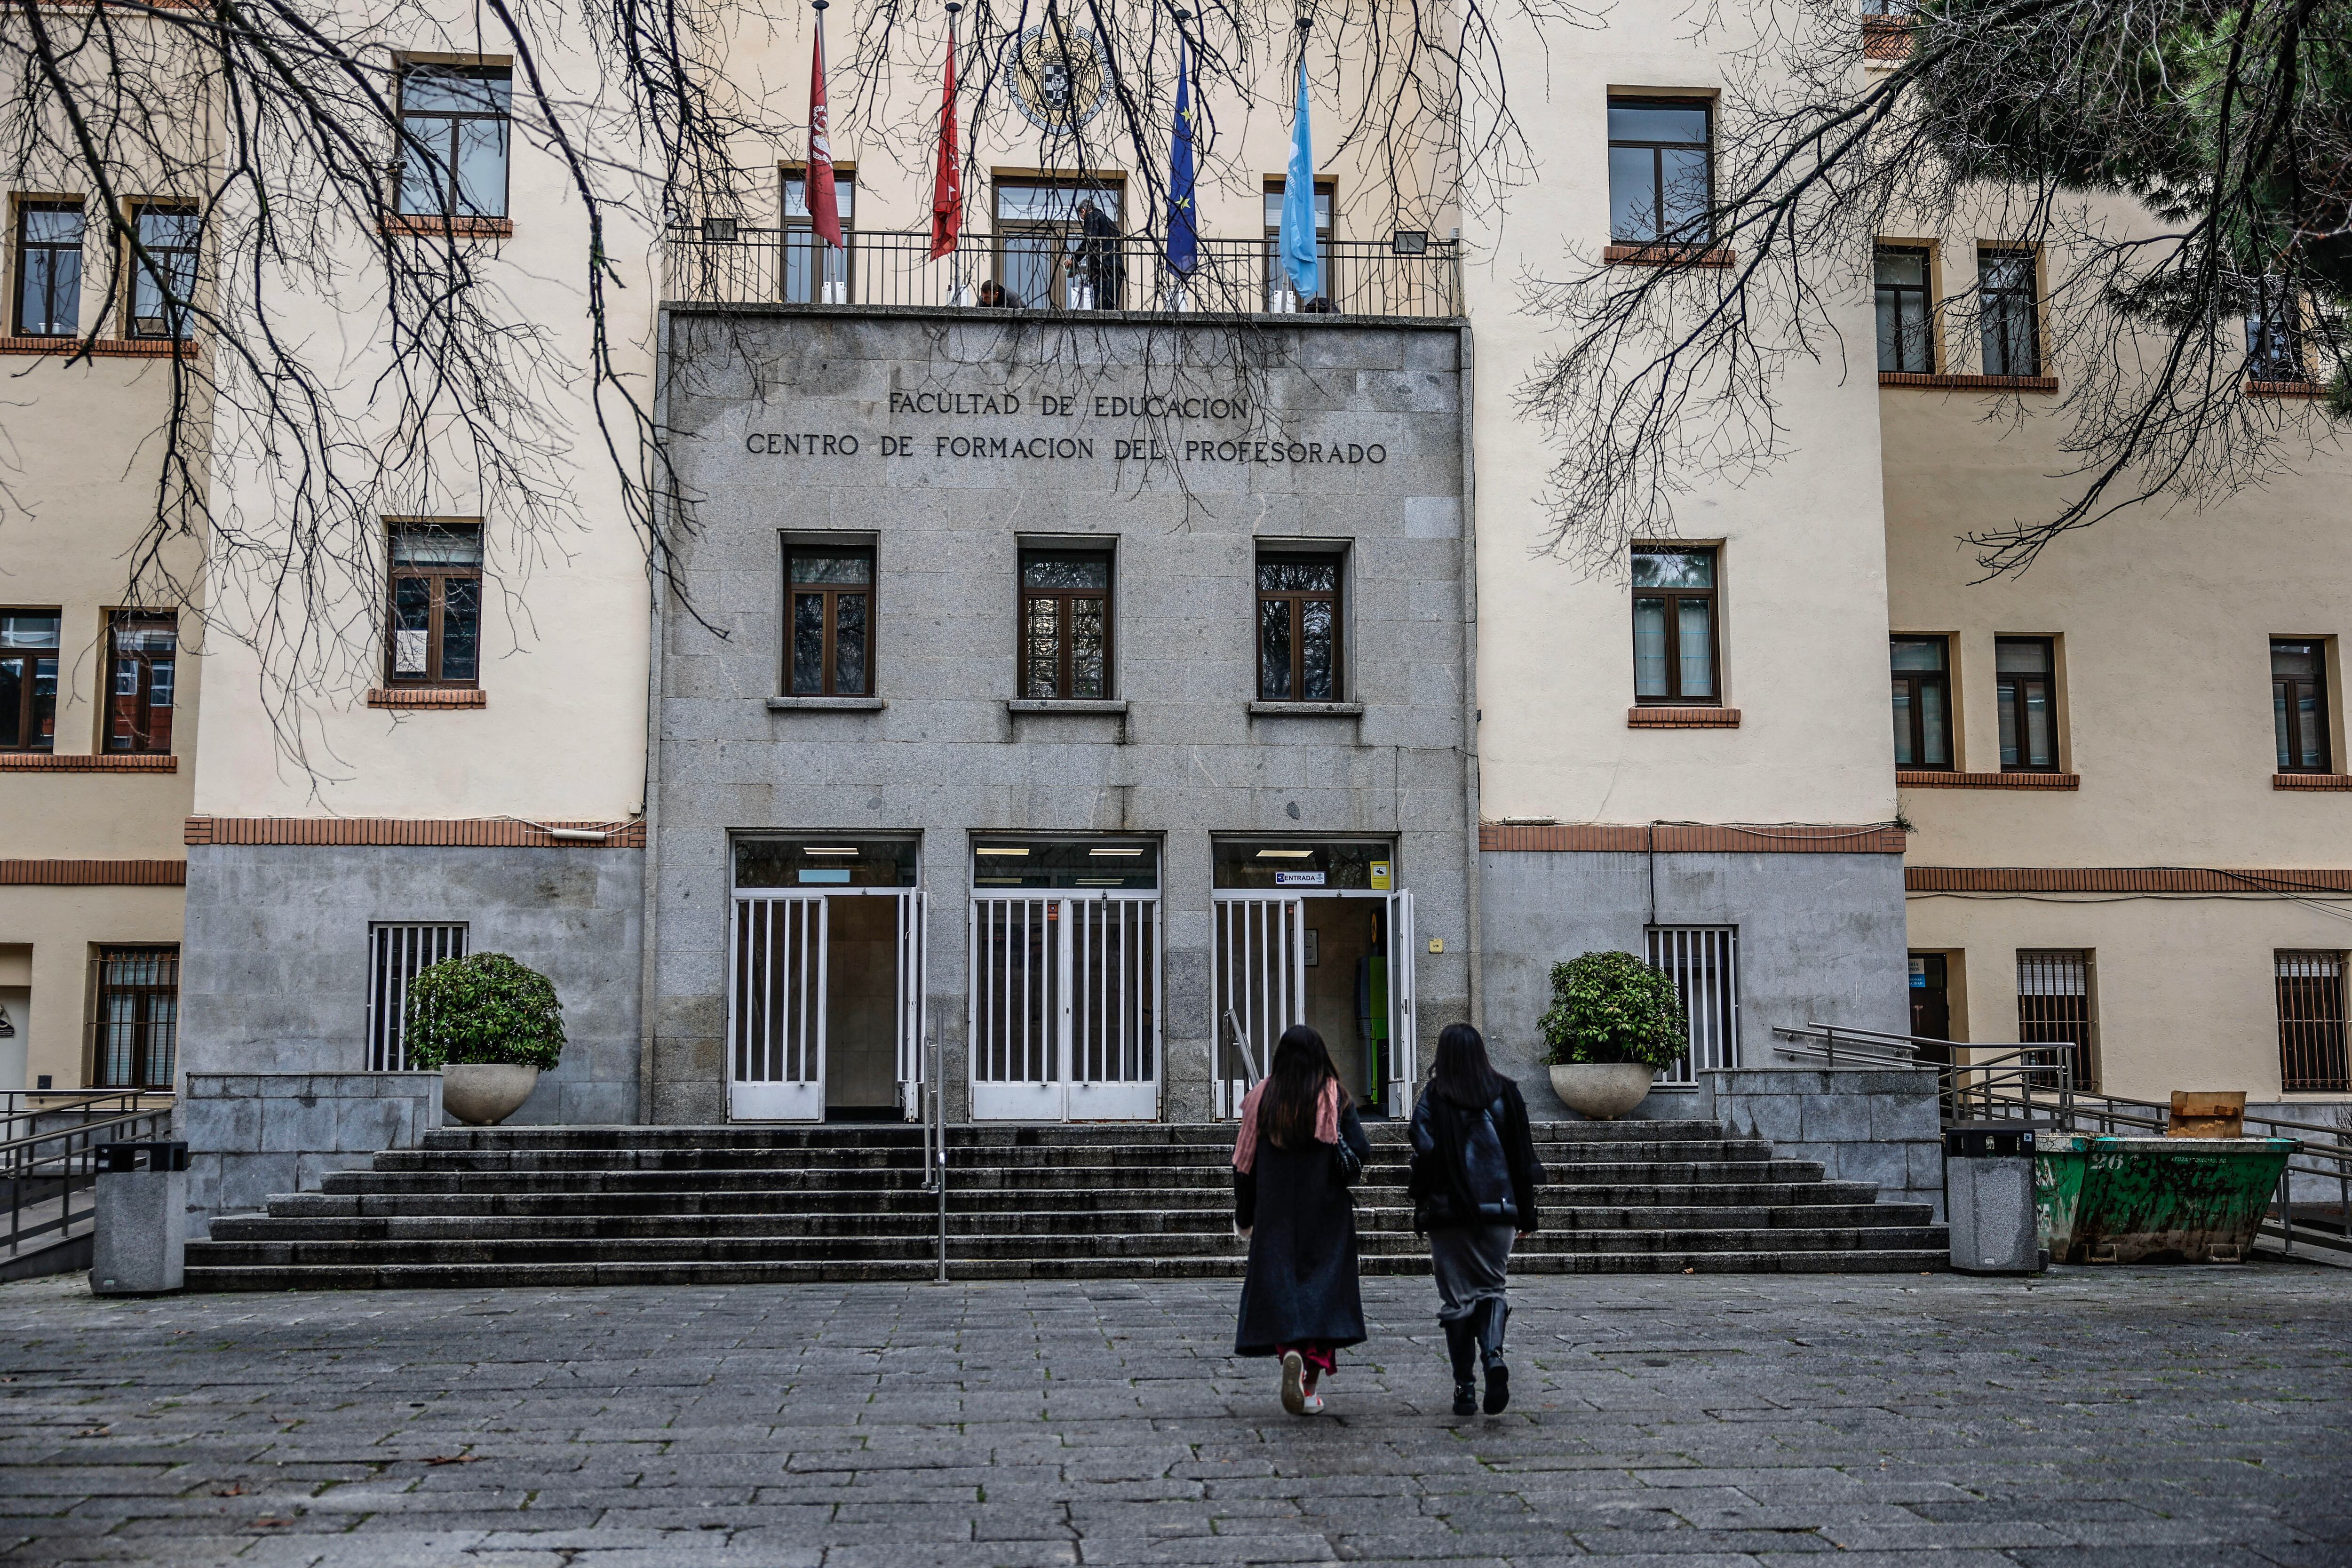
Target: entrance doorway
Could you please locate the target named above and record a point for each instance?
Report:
(825, 970)
(1065, 980)
(1316, 933)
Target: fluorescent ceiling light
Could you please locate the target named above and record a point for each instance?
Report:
(1102, 881)
(1000, 849)
(1284, 854)
(828, 849)
(1114, 851)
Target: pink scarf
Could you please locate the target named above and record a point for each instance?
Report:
(1327, 1123)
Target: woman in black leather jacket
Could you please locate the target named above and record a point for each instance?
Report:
(1475, 1177)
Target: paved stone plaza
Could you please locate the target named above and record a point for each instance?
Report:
(2133, 1417)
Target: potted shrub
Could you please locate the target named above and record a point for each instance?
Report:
(1614, 1021)
(490, 1024)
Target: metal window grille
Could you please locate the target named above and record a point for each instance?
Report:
(2054, 1008)
(2311, 1022)
(138, 1018)
(1704, 964)
(396, 955)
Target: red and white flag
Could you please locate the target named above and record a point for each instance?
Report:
(825, 213)
(947, 186)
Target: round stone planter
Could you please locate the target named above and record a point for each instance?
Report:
(1602, 1090)
(483, 1094)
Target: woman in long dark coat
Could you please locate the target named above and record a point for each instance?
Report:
(1475, 1177)
(1299, 1149)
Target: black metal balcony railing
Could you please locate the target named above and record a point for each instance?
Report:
(722, 263)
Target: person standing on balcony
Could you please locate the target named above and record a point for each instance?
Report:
(1474, 1185)
(1101, 271)
(1299, 1149)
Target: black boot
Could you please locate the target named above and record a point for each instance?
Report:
(1492, 1313)
(1461, 1345)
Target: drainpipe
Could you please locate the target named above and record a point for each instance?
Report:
(1474, 933)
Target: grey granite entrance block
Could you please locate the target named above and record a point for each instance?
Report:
(252, 1135)
(1863, 1125)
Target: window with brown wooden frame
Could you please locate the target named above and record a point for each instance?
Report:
(1922, 702)
(1674, 636)
(143, 648)
(1661, 171)
(1298, 628)
(2312, 1057)
(1906, 340)
(1066, 624)
(435, 620)
(2009, 311)
(28, 680)
(136, 1032)
(2026, 695)
(454, 131)
(829, 621)
(2299, 705)
(49, 269)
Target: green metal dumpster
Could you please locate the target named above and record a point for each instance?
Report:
(2153, 1200)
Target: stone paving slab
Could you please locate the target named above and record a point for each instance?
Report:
(2127, 1418)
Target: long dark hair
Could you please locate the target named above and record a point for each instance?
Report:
(1294, 1087)
(1461, 1073)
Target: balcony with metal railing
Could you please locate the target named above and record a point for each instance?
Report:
(720, 262)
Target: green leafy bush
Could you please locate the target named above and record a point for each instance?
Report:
(483, 1008)
(1613, 1007)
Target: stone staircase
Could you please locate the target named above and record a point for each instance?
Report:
(765, 1204)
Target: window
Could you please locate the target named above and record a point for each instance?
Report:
(395, 955)
(1057, 245)
(452, 127)
(163, 282)
(1298, 628)
(2299, 705)
(1064, 623)
(2054, 1008)
(139, 706)
(49, 269)
(1703, 962)
(1674, 626)
(830, 622)
(1279, 294)
(138, 1023)
(2012, 332)
(816, 273)
(1923, 704)
(1905, 343)
(2029, 723)
(437, 604)
(1661, 180)
(2275, 335)
(28, 680)
(2311, 1023)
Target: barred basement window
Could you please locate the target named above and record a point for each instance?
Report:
(2054, 1008)
(396, 955)
(138, 1022)
(2311, 1022)
(1704, 964)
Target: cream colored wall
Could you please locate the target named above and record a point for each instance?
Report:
(2184, 992)
(63, 926)
(1802, 595)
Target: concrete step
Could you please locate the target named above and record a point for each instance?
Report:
(1063, 1135)
(1560, 1157)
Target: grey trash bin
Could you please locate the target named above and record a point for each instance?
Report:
(140, 1241)
(1989, 1197)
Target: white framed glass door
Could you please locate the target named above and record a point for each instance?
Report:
(914, 984)
(1261, 986)
(1270, 970)
(776, 1008)
(1064, 1006)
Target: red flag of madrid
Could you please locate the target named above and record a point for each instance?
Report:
(824, 214)
(947, 186)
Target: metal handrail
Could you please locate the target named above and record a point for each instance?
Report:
(33, 1178)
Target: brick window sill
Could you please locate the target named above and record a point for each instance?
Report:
(2330, 782)
(97, 762)
(1682, 718)
(1968, 383)
(826, 704)
(425, 697)
(421, 226)
(1306, 709)
(1885, 43)
(1932, 778)
(2286, 389)
(1114, 707)
(104, 348)
(1666, 255)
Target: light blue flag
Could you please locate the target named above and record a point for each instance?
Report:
(1299, 257)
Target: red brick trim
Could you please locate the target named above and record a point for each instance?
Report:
(1682, 718)
(2286, 389)
(417, 227)
(2119, 880)
(1931, 778)
(1968, 383)
(93, 873)
(104, 348)
(464, 832)
(2329, 782)
(88, 763)
(1885, 38)
(1664, 256)
(428, 697)
(1692, 839)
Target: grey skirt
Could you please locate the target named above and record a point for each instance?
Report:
(1472, 1264)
